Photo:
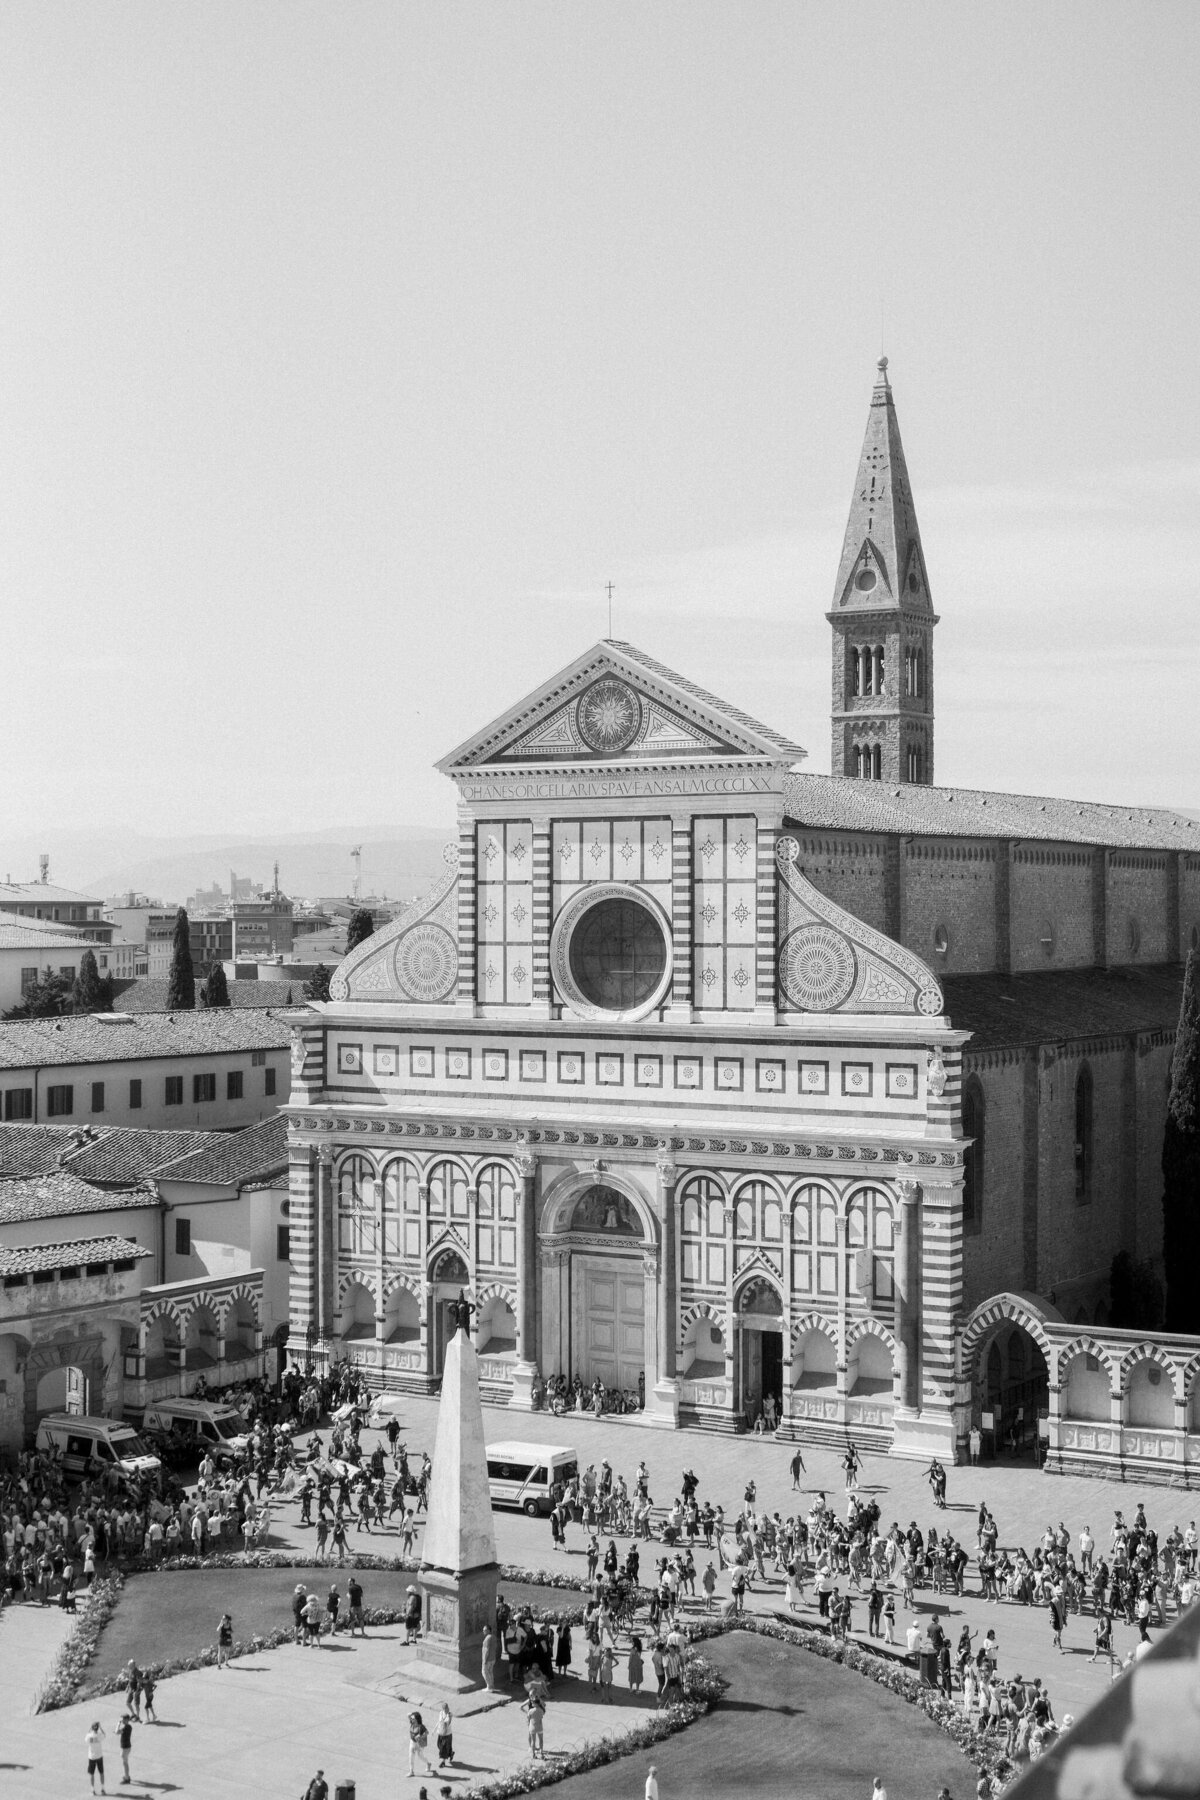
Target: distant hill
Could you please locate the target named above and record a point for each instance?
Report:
(399, 865)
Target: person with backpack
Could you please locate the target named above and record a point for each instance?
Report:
(418, 1739)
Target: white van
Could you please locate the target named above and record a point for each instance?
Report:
(523, 1474)
(89, 1444)
(214, 1427)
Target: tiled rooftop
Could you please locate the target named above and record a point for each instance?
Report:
(1010, 1010)
(116, 1037)
(832, 803)
(44, 893)
(17, 933)
(55, 1195)
(239, 1159)
(110, 1156)
(148, 994)
(36, 1257)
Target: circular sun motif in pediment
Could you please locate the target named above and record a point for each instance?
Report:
(609, 716)
(817, 968)
(427, 963)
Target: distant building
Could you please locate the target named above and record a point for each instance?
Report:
(262, 927)
(151, 928)
(215, 1070)
(28, 948)
(134, 1262)
(210, 938)
(57, 905)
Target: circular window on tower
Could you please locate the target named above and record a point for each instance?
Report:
(610, 951)
(865, 580)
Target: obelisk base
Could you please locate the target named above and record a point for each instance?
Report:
(456, 1610)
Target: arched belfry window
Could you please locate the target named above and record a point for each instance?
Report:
(855, 674)
(1083, 1136)
(973, 1128)
(877, 763)
(879, 668)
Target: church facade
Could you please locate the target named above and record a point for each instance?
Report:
(731, 1087)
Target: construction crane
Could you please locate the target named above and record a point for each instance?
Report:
(356, 859)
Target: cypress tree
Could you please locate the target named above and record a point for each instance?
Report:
(216, 988)
(181, 989)
(87, 995)
(317, 985)
(1181, 1165)
(361, 926)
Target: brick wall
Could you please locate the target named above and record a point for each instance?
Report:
(950, 887)
(1051, 907)
(993, 1256)
(851, 869)
(1141, 904)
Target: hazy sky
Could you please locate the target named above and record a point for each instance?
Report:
(347, 351)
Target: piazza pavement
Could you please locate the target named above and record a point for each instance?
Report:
(265, 1726)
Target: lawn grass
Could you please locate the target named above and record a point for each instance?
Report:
(791, 1725)
(161, 1618)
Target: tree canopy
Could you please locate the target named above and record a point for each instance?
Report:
(181, 988)
(361, 925)
(317, 985)
(44, 998)
(215, 991)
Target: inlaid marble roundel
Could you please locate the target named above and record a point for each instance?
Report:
(427, 963)
(817, 968)
(609, 715)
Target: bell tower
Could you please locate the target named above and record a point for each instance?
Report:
(882, 618)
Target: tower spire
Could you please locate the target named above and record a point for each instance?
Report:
(882, 616)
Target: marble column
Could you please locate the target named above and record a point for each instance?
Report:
(525, 1372)
(666, 1387)
(326, 1242)
(908, 1294)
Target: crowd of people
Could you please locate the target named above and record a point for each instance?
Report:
(649, 1562)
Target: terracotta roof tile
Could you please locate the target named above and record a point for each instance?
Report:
(54, 1196)
(236, 1159)
(117, 1037)
(31, 1258)
(832, 803)
(1006, 1011)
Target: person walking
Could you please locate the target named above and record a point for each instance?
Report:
(797, 1468)
(125, 1742)
(318, 1787)
(651, 1783)
(148, 1686)
(354, 1594)
(535, 1711)
(224, 1640)
(418, 1739)
(94, 1739)
(489, 1660)
(445, 1736)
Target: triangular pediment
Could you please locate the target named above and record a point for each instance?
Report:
(616, 705)
(869, 582)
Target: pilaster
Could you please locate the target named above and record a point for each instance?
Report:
(680, 1008)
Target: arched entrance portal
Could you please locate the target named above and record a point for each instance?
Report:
(594, 1292)
(447, 1278)
(758, 1314)
(65, 1389)
(1005, 1356)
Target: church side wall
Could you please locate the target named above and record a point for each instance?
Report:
(1078, 1237)
(850, 870)
(993, 1255)
(1140, 907)
(1189, 904)
(950, 889)
(1153, 1078)
(1051, 908)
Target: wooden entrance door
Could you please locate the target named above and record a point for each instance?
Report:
(610, 1327)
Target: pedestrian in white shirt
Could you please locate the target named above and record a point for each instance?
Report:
(878, 1791)
(94, 1739)
(652, 1783)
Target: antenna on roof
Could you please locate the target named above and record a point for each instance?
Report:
(608, 588)
(356, 859)
(44, 867)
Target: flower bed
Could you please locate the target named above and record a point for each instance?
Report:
(67, 1680)
(974, 1743)
(702, 1688)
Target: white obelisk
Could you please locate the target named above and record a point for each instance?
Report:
(459, 1571)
